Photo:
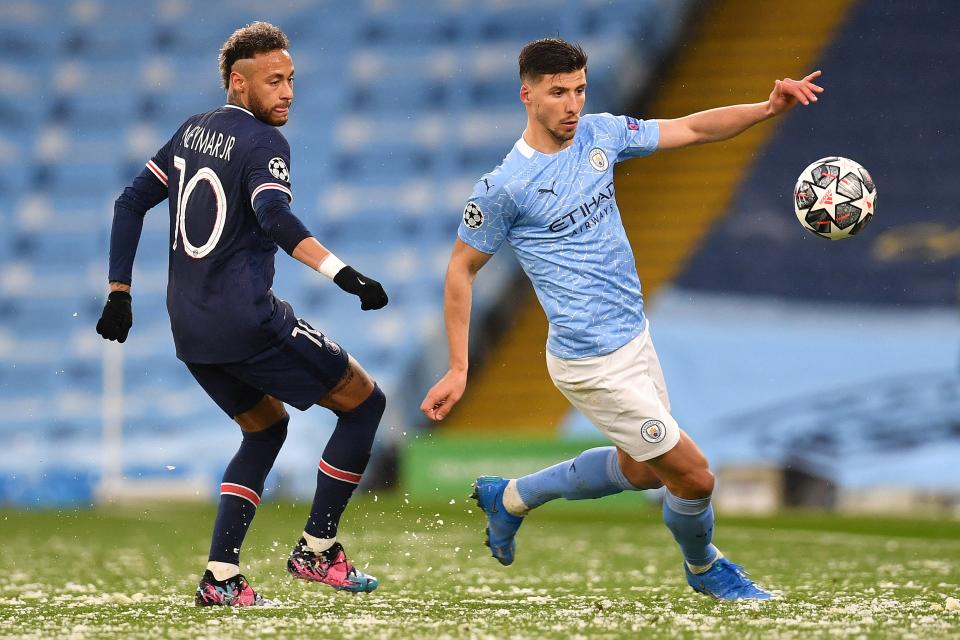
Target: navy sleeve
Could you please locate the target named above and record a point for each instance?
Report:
(267, 167)
(147, 191)
(278, 222)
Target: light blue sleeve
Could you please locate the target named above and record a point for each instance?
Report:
(634, 138)
(488, 216)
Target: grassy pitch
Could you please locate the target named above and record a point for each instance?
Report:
(582, 571)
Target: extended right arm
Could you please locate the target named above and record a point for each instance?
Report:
(147, 191)
(465, 262)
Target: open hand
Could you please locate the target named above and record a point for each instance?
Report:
(788, 92)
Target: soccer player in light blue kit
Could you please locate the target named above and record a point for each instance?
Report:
(552, 200)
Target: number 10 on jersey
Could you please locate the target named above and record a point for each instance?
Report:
(204, 174)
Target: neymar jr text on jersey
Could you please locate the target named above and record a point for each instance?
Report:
(213, 143)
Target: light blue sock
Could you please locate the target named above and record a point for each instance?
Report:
(592, 474)
(691, 522)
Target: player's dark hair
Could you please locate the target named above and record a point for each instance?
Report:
(550, 56)
(248, 41)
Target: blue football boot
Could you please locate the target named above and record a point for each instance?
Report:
(725, 581)
(501, 525)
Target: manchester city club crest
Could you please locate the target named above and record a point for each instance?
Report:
(598, 159)
(653, 431)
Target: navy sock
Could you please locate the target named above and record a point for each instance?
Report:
(691, 523)
(592, 474)
(241, 488)
(343, 463)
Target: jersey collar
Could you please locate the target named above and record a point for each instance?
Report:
(233, 106)
(525, 149)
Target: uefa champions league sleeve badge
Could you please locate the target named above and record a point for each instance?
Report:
(472, 215)
(278, 169)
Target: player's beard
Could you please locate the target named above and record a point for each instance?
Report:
(265, 114)
(558, 133)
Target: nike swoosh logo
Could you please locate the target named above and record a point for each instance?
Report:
(360, 280)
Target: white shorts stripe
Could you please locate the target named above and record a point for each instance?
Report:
(269, 185)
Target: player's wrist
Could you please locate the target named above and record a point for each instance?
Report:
(330, 266)
(116, 285)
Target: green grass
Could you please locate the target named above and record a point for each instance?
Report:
(581, 571)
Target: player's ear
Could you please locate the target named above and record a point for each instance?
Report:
(525, 93)
(237, 81)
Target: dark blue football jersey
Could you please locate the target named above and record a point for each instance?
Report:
(221, 267)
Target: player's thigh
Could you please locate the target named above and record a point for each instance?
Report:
(299, 370)
(243, 402)
(355, 387)
(619, 396)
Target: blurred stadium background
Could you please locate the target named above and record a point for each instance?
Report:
(811, 373)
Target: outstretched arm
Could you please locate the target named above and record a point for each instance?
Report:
(726, 122)
(284, 228)
(465, 262)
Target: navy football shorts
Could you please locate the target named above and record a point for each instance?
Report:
(300, 370)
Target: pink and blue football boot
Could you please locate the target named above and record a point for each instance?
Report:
(232, 592)
(330, 567)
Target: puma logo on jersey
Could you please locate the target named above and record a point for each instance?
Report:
(550, 190)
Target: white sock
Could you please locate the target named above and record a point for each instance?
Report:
(318, 545)
(512, 501)
(703, 568)
(223, 570)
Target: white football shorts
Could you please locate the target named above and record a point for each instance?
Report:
(623, 394)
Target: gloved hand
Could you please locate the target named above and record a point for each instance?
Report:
(117, 317)
(370, 292)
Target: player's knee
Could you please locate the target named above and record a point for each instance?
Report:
(376, 402)
(274, 435)
(700, 483)
(643, 479)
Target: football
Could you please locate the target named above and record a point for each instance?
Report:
(835, 198)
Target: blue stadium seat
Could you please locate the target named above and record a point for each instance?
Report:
(399, 108)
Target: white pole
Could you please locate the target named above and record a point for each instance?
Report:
(112, 417)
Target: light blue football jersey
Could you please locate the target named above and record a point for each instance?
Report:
(559, 214)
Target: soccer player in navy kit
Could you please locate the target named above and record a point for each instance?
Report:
(552, 200)
(226, 174)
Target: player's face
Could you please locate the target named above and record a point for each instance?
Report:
(268, 85)
(555, 102)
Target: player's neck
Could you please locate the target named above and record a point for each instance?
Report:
(543, 141)
(234, 99)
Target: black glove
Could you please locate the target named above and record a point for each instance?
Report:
(370, 292)
(117, 317)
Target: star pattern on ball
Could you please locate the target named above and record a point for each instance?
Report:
(827, 197)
